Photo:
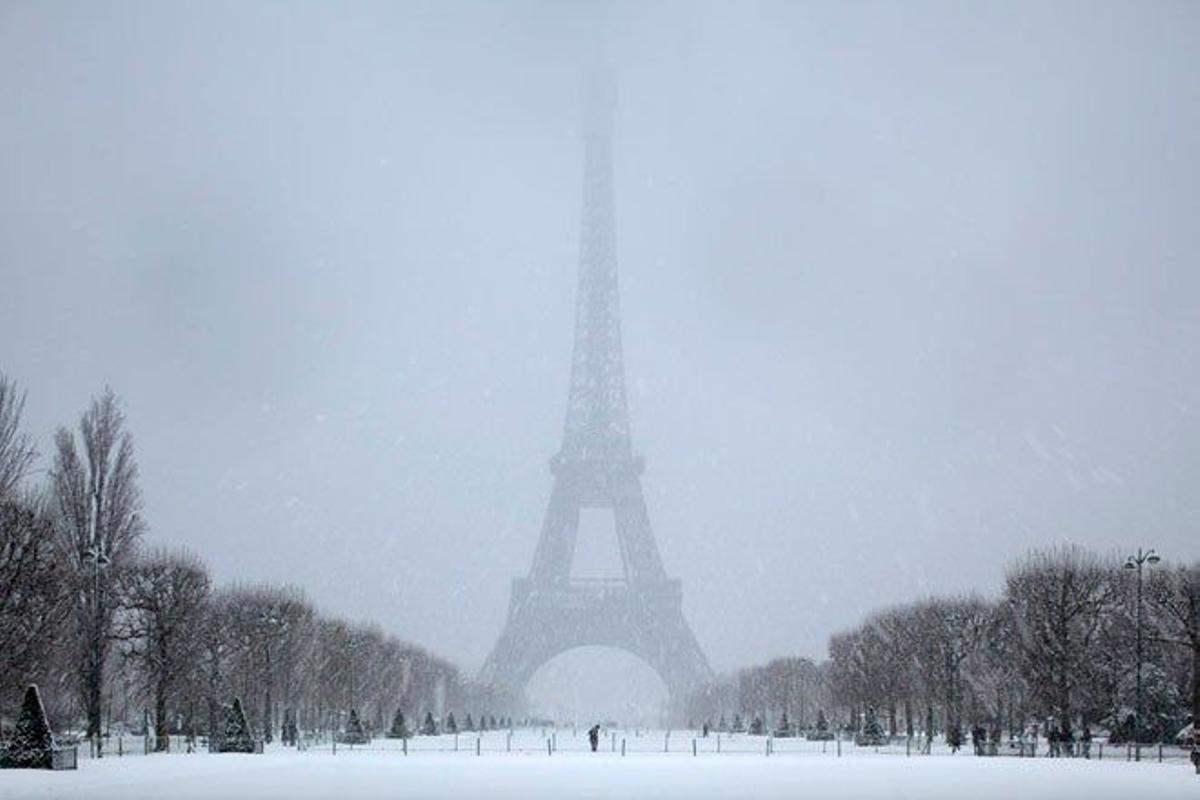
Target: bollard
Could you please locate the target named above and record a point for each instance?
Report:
(456, 742)
(908, 746)
(622, 748)
(839, 744)
(1160, 754)
(667, 742)
(477, 741)
(405, 744)
(549, 751)
(614, 742)
(693, 746)
(767, 746)
(718, 742)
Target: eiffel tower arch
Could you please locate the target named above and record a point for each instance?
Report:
(596, 468)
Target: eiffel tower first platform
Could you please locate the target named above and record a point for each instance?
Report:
(640, 612)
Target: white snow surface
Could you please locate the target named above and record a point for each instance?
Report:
(531, 774)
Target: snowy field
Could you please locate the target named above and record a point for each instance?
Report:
(433, 769)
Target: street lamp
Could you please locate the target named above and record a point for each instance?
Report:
(99, 559)
(1136, 562)
(273, 624)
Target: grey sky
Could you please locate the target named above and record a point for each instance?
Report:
(907, 288)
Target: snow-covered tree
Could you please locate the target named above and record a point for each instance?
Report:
(163, 600)
(235, 734)
(354, 733)
(1060, 601)
(429, 727)
(871, 734)
(31, 745)
(97, 502)
(822, 732)
(1174, 599)
(398, 730)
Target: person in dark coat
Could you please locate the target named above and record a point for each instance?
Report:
(594, 737)
(977, 739)
(1067, 742)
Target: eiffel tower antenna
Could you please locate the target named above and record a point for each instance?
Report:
(596, 467)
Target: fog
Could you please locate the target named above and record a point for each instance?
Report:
(907, 289)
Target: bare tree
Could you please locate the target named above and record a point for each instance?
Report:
(162, 599)
(896, 630)
(1060, 602)
(34, 602)
(16, 448)
(97, 501)
(1175, 600)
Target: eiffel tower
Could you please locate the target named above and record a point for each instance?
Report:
(640, 612)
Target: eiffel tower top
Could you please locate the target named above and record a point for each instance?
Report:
(597, 422)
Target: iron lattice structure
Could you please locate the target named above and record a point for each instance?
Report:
(640, 612)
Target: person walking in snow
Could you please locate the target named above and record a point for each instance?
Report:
(1067, 739)
(594, 737)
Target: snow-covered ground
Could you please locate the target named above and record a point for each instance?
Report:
(432, 769)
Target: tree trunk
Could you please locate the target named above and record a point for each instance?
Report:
(94, 678)
(162, 738)
(1196, 688)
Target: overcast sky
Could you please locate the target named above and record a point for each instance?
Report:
(908, 288)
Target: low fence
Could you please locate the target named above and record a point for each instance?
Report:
(632, 742)
(130, 744)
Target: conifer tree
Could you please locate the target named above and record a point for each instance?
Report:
(31, 745)
(236, 736)
(469, 725)
(354, 730)
(822, 732)
(872, 731)
(430, 727)
(398, 730)
(451, 725)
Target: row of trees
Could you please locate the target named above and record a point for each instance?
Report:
(80, 593)
(1056, 649)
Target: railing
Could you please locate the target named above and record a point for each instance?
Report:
(631, 742)
(637, 742)
(64, 758)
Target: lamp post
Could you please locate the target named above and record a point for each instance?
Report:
(99, 559)
(272, 625)
(1136, 562)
